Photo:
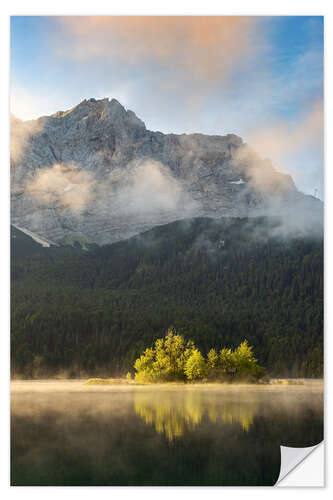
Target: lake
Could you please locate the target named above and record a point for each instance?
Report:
(67, 433)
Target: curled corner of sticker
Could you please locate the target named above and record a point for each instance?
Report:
(291, 458)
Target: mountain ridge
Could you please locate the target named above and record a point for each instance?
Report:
(94, 173)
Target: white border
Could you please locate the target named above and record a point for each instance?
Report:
(144, 7)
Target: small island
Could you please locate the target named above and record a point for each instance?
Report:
(173, 359)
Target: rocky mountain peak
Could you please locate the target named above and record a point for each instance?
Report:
(110, 111)
(95, 173)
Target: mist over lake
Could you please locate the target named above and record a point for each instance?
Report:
(67, 433)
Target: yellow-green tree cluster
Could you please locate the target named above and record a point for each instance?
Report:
(174, 359)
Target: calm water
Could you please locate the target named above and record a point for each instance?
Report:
(66, 433)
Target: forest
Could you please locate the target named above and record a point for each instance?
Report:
(92, 311)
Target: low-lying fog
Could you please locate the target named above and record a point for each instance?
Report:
(68, 433)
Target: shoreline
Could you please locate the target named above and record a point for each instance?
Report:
(124, 381)
(80, 386)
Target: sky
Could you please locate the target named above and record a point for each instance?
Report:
(258, 77)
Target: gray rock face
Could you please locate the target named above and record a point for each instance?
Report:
(95, 173)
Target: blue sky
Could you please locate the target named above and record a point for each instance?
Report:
(258, 77)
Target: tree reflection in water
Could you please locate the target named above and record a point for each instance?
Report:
(68, 434)
(172, 416)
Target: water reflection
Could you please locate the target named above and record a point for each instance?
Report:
(172, 416)
(66, 433)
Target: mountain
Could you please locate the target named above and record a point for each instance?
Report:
(24, 244)
(217, 281)
(94, 173)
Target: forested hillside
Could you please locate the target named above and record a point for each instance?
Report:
(217, 282)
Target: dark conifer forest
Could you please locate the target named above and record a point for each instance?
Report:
(91, 311)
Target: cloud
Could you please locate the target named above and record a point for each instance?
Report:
(20, 134)
(32, 103)
(150, 187)
(283, 137)
(287, 142)
(144, 187)
(203, 47)
(63, 185)
(260, 174)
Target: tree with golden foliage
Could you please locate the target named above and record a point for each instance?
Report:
(166, 361)
(174, 359)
